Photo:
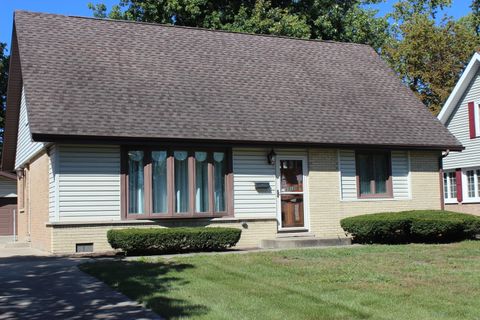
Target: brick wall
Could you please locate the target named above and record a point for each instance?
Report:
(327, 208)
(34, 215)
(66, 236)
(470, 208)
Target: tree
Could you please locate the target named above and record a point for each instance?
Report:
(429, 57)
(4, 59)
(475, 6)
(347, 20)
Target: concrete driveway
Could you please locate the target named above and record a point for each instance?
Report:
(34, 286)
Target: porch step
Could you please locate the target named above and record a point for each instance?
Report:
(303, 242)
(300, 234)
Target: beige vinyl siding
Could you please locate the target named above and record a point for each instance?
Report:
(26, 148)
(88, 183)
(458, 125)
(8, 187)
(250, 166)
(400, 175)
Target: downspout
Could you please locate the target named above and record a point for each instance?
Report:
(29, 213)
(440, 176)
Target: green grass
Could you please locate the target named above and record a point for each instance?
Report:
(369, 282)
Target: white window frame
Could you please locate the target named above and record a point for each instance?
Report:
(447, 184)
(466, 197)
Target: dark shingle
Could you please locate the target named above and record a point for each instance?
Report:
(92, 77)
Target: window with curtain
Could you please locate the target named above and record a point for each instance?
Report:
(201, 181)
(135, 182)
(373, 174)
(219, 175)
(159, 181)
(181, 181)
(164, 182)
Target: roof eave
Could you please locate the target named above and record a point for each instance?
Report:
(95, 139)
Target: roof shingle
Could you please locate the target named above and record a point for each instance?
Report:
(93, 77)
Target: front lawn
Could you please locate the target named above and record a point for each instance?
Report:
(369, 282)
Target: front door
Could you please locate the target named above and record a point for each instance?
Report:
(291, 191)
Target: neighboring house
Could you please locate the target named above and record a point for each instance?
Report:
(461, 115)
(115, 124)
(8, 204)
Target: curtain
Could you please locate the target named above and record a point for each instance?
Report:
(381, 172)
(201, 179)
(365, 174)
(159, 181)
(219, 168)
(181, 181)
(135, 182)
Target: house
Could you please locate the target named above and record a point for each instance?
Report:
(115, 124)
(461, 115)
(8, 205)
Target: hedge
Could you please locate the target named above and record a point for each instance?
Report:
(426, 226)
(172, 240)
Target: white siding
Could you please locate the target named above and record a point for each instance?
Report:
(458, 125)
(400, 174)
(348, 178)
(26, 148)
(8, 187)
(250, 166)
(88, 182)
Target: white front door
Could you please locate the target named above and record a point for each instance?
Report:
(292, 193)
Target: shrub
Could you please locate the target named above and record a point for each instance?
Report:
(172, 240)
(429, 226)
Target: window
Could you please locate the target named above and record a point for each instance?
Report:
(473, 184)
(373, 174)
(164, 182)
(450, 185)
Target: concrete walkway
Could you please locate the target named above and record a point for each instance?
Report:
(35, 286)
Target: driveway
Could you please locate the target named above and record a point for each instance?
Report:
(35, 286)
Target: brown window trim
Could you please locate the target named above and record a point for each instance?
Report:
(171, 214)
(386, 195)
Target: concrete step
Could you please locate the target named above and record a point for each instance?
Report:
(17, 245)
(301, 234)
(303, 242)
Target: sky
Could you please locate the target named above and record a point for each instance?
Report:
(458, 9)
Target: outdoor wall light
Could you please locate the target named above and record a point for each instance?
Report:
(271, 157)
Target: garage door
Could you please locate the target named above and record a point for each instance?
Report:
(7, 207)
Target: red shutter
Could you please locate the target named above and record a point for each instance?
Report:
(458, 178)
(471, 119)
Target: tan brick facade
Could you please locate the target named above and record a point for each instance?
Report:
(470, 208)
(325, 205)
(68, 235)
(33, 189)
(327, 208)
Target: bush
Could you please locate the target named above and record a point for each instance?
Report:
(172, 240)
(412, 226)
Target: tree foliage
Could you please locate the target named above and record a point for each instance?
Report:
(428, 56)
(347, 20)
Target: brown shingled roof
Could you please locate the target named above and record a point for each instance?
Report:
(108, 78)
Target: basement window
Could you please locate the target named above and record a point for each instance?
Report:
(83, 247)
